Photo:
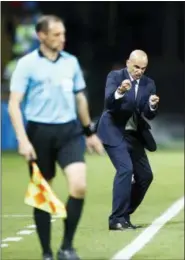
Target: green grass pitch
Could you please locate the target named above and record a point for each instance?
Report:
(93, 240)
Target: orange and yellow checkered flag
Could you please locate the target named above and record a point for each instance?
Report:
(40, 195)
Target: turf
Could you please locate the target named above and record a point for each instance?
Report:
(93, 240)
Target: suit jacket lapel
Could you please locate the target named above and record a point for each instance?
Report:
(125, 74)
(130, 93)
(141, 87)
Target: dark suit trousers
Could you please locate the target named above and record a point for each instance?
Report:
(128, 158)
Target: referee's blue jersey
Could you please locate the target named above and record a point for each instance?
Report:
(49, 87)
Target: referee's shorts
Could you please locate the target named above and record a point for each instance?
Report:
(62, 143)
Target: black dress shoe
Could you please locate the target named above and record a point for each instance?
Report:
(130, 225)
(117, 226)
(67, 254)
(122, 226)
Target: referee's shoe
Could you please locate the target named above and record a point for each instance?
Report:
(48, 257)
(67, 254)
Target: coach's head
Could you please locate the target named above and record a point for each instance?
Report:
(51, 32)
(137, 63)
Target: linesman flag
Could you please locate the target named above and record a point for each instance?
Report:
(40, 195)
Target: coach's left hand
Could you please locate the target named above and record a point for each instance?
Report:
(154, 100)
(93, 143)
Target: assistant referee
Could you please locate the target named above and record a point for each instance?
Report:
(50, 84)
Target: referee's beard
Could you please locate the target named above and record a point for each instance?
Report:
(57, 49)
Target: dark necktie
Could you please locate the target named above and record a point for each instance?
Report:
(133, 89)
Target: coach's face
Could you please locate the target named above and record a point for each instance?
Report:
(54, 38)
(137, 66)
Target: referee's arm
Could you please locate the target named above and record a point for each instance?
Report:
(92, 140)
(18, 86)
(15, 113)
(83, 109)
(81, 100)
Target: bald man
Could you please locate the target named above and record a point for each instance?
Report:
(130, 99)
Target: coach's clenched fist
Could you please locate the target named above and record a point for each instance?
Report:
(154, 100)
(125, 86)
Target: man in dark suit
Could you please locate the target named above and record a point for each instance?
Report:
(130, 99)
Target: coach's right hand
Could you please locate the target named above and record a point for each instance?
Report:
(125, 86)
(26, 149)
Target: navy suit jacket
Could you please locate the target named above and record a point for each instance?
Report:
(111, 125)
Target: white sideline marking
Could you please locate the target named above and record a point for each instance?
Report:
(31, 226)
(4, 245)
(12, 239)
(22, 232)
(25, 232)
(16, 216)
(137, 244)
(22, 216)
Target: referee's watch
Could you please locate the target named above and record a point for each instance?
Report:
(88, 130)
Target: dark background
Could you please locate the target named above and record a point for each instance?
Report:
(102, 35)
